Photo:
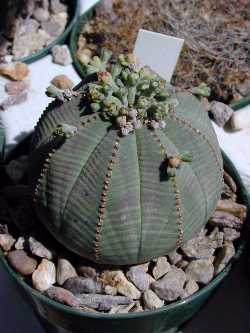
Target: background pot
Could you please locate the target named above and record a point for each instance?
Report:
(73, 10)
(82, 20)
(56, 317)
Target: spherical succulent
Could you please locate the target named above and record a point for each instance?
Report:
(123, 169)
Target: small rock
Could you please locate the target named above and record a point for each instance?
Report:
(62, 82)
(200, 247)
(81, 43)
(16, 87)
(229, 181)
(62, 296)
(161, 268)
(138, 277)
(29, 43)
(230, 234)
(65, 271)
(41, 14)
(142, 266)
(61, 55)
(15, 71)
(191, 287)
(56, 6)
(183, 264)
(233, 208)
(38, 249)
(109, 290)
(27, 26)
(151, 300)
(79, 285)
(13, 100)
(61, 19)
(83, 57)
(221, 112)
(44, 276)
(224, 219)
(4, 229)
(224, 256)
(174, 257)
(17, 169)
(52, 28)
(170, 287)
(201, 270)
(102, 302)
(121, 308)
(244, 88)
(21, 262)
(216, 237)
(6, 241)
(87, 271)
(137, 307)
(19, 245)
(124, 287)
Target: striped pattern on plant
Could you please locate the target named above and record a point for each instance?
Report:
(109, 197)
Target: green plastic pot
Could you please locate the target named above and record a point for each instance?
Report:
(82, 20)
(56, 317)
(74, 6)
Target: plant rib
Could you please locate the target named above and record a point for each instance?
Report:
(178, 204)
(104, 194)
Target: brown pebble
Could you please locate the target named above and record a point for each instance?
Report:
(21, 262)
(15, 71)
(62, 82)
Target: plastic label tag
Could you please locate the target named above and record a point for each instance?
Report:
(158, 51)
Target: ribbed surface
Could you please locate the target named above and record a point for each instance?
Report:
(56, 113)
(112, 201)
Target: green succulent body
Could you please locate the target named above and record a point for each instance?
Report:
(110, 194)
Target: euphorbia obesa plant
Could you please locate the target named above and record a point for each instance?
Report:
(123, 170)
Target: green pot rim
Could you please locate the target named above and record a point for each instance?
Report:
(243, 196)
(59, 40)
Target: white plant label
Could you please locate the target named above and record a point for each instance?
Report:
(158, 51)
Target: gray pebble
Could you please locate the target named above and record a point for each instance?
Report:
(221, 112)
(13, 100)
(161, 268)
(102, 302)
(38, 249)
(170, 287)
(224, 256)
(63, 296)
(201, 270)
(138, 277)
(61, 55)
(151, 300)
(6, 241)
(79, 285)
(65, 271)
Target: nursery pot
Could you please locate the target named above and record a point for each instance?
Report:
(77, 29)
(73, 11)
(59, 318)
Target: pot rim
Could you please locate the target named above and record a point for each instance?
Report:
(106, 316)
(45, 50)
